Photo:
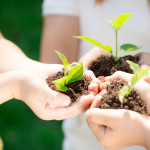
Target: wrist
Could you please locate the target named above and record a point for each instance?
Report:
(5, 87)
(19, 82)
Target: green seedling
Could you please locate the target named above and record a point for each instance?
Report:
(116, 25)
(138, 75)
(75, 73)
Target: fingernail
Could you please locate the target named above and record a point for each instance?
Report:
(66, 102)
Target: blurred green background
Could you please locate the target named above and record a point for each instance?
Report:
(20, 129)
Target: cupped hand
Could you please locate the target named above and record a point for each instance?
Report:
(92, 55)
(119, 128)
(44, 102)
(142, 87)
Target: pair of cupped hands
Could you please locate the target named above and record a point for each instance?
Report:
(113, 128)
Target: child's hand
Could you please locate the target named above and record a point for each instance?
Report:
(44, 102)
(142, 87)
(119, 128)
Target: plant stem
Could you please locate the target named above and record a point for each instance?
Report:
(128, 92)
(116, 34)
(65, 73)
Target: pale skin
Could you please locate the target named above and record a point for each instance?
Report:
(57, 35)
(25, 79)
(120, 128)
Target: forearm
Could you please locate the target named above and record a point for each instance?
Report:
(12, 58)
(57, 35)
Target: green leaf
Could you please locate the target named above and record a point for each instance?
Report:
(145, 73)
(122, 93)
(94, 42)
(127, 48)
(119, 21)
(61, 84)
(135, 67)
(72, 64)
(75, 74)
(111, 23)
(139, 74)
(64, 59)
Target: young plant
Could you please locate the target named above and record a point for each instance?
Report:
(75, 73)
(138, 75)
(116, 25)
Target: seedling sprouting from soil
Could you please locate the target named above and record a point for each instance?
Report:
(116, 25)
(72, 72)
(138, 75)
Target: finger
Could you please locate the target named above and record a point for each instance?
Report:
(103, 92)
(119, 75)
(53, 97)
(59, 99)
(96, 101)
(94, 86)
(101, 78)
(147, 80)
(89, 74)
(98, 98)
(104, 85)
(106, 117)
(60, 113)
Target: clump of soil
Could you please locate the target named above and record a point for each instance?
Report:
(106, 65)
(102, 65)
(122, 65)
(75, 89)
(132, 102)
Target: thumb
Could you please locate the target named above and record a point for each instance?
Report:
(56, 98)
(147, 80)
(119, 75)
(106, 117)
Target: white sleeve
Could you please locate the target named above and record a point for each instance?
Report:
(60, 7)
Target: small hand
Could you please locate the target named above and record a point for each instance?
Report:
(142, 87)
(119, 128)
(46, 103)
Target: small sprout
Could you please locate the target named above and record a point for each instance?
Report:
(116, 25)
(138, 75)
(75, 73)
(65, 62)
(122, 93)
(61, 84)
(119, 21)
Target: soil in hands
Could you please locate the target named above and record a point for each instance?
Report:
(75, 89)
(106, 66)
(132, 102)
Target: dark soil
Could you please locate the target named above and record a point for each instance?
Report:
(75, 89)
(102, 65)
(111, 99)
(106, 66)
